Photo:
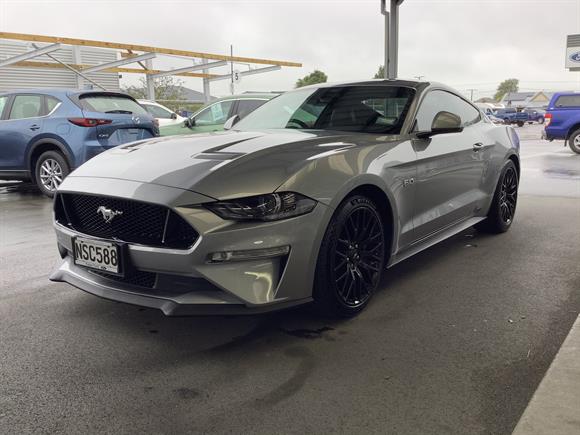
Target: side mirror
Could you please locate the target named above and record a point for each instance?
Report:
(231, 122)
(443, 123)
(189, 122)
(174, 116)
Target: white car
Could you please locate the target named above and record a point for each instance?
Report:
(164, 115)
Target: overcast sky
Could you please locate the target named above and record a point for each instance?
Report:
(464, 43)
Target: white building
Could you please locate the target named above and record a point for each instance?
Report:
(26, 78)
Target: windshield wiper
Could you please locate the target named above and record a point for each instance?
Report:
(127, 112)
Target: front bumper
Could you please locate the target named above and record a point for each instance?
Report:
(184, 281)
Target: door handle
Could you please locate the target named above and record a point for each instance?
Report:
(34, 127)
(477, 146)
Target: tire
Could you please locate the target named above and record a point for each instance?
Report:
(50, 170)
(574, 141)
(520, 123)
(351, 259)
(503, 206)
(541, 120)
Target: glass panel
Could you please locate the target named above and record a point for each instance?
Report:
(26, 106)
(3, 101)
(568, 101)
(51, 103)
(157, 111)
(441, 101)
(111, 104)
(247, 106)
(215, 114)
(370, 109)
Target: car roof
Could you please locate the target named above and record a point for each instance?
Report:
(559, 94)
(248, 96)
(59, 91)
(389, 82)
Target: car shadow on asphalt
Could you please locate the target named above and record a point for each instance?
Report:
(223, 335)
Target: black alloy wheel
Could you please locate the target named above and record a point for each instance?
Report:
(503, 205)
(351, 258)
(508, 195)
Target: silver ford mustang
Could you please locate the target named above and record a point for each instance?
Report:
(309, 198)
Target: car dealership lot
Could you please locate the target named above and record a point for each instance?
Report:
(455, 342)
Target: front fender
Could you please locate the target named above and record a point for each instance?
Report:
(387, 167)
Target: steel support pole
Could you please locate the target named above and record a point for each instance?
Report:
(393, 40)
(387, 42)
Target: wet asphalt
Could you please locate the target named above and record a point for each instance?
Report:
(455, 342)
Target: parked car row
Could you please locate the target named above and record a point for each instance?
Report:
(213, 116)
(47, 133)
(515, 116)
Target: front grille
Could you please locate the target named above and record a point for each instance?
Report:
(138, 278)
(137, 222)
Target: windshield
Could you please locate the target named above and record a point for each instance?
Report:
(369, 109)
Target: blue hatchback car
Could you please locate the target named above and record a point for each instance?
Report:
(45, 134)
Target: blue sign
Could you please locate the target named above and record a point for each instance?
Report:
(575, 57)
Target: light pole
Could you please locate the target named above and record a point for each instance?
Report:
(471, 91)
(391, 37)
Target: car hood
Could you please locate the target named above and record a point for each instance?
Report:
(220, 165)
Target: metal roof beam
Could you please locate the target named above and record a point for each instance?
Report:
(81, 67)
(143, 48)
(30, 54)
(120, 62)
(247, 73)
(191, 68)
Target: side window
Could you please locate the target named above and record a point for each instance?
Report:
(247, 106)
(3, 101)
(437, 101)
(157, 112)
(214, 114)
(568, 101)
(51, 104)
(26, 106)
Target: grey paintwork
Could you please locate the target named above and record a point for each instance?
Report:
(434, 188)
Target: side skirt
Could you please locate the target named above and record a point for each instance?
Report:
(433, 240)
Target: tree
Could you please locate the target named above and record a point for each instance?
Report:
(380, 73)
(166, 88)
(314, 77)
(505, 87)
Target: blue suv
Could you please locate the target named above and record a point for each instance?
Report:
(45, 134)
(563, 119)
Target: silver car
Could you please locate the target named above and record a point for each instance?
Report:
(309, 198)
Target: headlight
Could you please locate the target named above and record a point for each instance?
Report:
(270, 207)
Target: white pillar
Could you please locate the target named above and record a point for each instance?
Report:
(206, 90)
(149, 81)
(77, 59)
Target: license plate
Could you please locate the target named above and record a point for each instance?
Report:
(97, 254)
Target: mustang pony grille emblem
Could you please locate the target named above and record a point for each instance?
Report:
(108, 214)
